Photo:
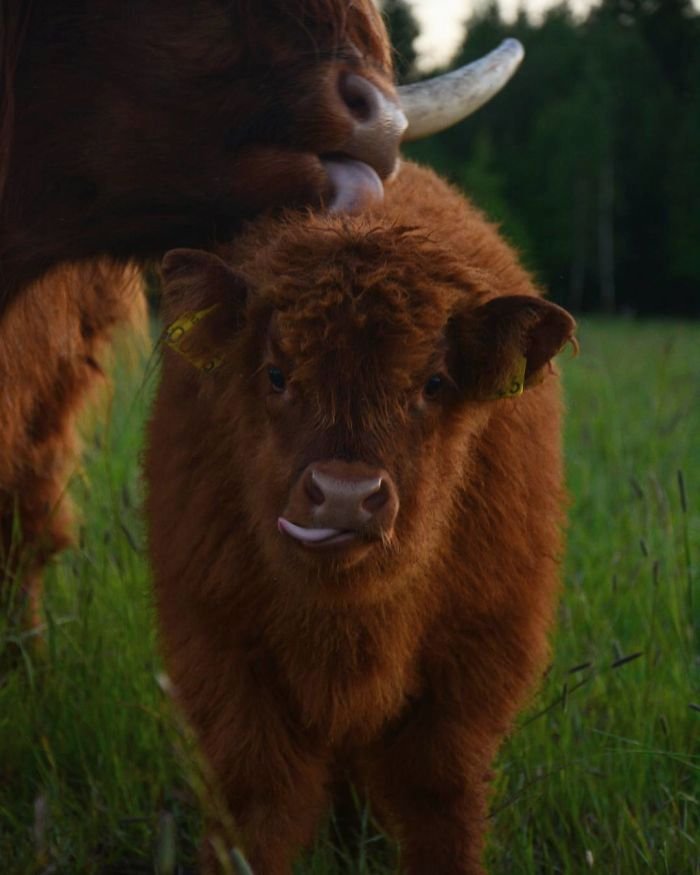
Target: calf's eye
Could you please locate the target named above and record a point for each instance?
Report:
(433, 386)
(276, 378)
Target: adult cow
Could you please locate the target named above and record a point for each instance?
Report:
(355, 504)
(130, 127)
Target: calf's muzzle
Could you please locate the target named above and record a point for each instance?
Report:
(335, 502)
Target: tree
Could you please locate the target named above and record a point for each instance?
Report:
(590, 156)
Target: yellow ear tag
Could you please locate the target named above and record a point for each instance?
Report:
(176, 332)
(516, 383)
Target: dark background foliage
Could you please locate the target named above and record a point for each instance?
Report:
(590, 158)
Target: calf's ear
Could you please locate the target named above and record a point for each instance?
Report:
(506, 345)
(196, 280)
(203, 304)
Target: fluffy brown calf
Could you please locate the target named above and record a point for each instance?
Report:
(355, 533)
(51, 345)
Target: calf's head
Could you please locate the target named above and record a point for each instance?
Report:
(341, 374)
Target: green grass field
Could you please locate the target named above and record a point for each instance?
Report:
(602, 773)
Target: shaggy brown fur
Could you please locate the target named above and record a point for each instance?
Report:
(52, 342)
(358, 354)
(129, 128)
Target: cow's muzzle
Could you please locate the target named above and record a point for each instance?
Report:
(378, 123)
(381, 121)
(336, 504)
(369, 153)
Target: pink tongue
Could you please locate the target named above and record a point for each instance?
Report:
(356, 185)
(308, 536)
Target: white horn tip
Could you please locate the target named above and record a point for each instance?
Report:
(439, 103)
(513, 47)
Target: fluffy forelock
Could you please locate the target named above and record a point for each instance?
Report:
(360, 308)
(357, 22)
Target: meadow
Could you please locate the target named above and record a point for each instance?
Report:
(601, 774)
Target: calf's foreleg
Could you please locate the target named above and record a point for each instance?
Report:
(429, 784)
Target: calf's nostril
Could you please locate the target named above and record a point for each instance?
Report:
(313, 491)
(376, 499)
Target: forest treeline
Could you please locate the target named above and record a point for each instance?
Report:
(590, 157)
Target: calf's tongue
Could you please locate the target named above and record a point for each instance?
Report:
(307, 536)
(356, 186)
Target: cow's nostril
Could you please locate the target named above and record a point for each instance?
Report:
(360, 96)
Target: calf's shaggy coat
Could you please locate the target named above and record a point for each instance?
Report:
(355, 534)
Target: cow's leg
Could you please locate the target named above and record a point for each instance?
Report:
(34, 526)
(51, 342)
(430, 782)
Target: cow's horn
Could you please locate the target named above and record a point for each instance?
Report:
(439, 103)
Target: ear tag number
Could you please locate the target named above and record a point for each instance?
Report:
(180, 328)
(516, 383)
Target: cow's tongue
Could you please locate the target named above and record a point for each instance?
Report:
(307, 536)
(356, 185)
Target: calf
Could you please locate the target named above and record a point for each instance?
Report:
(355, 511)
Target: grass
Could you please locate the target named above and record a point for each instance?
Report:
(602, 774)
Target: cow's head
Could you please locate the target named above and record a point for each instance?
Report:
(351, 373)
(129, 126)
(132, 127)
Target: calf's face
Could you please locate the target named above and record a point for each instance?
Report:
(353, 369)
